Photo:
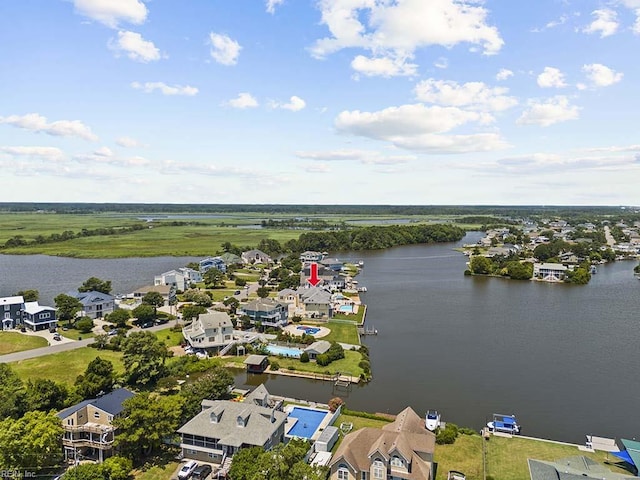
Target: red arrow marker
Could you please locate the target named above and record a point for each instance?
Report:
(314, 279)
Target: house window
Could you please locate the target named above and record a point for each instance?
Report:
(363, 476)
(96, 414)
(7, 307)
(43, 315)
(379, 470)
(397, 462)
(240, 422)
(343, 473)
(7, 315)
(110, 417)
(192, 452)
(70, 421)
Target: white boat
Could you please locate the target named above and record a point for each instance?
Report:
(504, 424)
(455, 475)
(432, 420)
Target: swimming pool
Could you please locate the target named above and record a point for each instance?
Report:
(284, 351)
(308, 421)
(346, 308)
(308, 330)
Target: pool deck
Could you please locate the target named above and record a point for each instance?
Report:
(293, 330)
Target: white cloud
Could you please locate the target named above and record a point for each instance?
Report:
(243, 100)
(551, 78)
(165, 89)
(135, 47)
(441, 62)
(363, 156)
(503, 74)
(600, 75)
(295, 104)
(418, 127)
(383, 66)
(605, 23)
(61, 128)
(474, 95)
(112, 12)
(272, 4)
(397, 29)
(224, 50)
(317, 168)
(128, 142)
(44, 153)
(552, 110)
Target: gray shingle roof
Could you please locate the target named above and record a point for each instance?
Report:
(110, 403)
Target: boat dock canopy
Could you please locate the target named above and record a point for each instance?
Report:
(601, 443)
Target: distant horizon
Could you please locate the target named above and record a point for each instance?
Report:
(409, 102)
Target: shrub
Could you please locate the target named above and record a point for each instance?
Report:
(323, 360)
(304, 357)
(334, 403)
(85, 324)
(240, 282)
(447, 435)
(275, 366)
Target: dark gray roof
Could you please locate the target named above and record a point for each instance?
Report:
(572, 468)
(110, 403)
(87, 298)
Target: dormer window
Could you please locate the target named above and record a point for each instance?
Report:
(343, 472)
(379, 470)
(240, 421)
(396, 461)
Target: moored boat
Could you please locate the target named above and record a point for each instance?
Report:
(432, 420)
(504, 424)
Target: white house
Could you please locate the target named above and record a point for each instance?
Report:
(210, 331)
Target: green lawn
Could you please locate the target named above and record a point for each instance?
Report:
(11, 342)
(465, 455)
(342, 332)
(347, 365)
(64, 366)
(355, 318)
(169, 337)
(157, 472)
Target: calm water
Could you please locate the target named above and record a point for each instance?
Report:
(563, 358)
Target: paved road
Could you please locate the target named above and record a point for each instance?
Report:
(64, 347)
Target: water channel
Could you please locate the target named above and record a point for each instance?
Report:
(563, 358)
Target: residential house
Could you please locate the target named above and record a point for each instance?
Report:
(224, 427)
(314, 302)
(260, 396)
(212, 331)
(180, 278)
(332, 264)
(310, 256)
(402, 449)
(231, 259)
(317, 348)
(287, 296)
(11, 311)
(269, 312)
(38, 317)
(573, 468)
(95, 304)
(212, 262)
(549, 272)
(256, 256)
(167, 292)
(88, 428)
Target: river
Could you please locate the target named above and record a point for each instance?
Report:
(563, 358)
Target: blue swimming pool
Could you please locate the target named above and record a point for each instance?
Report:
(284, 351)
(308, 421)
(308, 330)
(346, 308)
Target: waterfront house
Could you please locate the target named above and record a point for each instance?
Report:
(310, 256)
(287, 296)
(38, 317)
(231, 259)
(88, 428)
(211, 331)
(95, 304)
(549, 272)
(166, 291)
(223, 427)
(317, 348)
(314, 302)
(256, 256)
(577, 467)
(11, 309)
(180, 278)
(269, 312)
(208, 263)
(332, 264)
(402, 449)
(256, 363)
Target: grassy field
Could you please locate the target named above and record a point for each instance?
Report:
(64, 366)
(169, 337)
(342, 332)
(11, 342)
(157, 472)
(347, 365)
(355, 318)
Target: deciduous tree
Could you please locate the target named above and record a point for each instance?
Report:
(94, 284)
(98, 377)
(119, 317)
(44, 394)
(143, 358)
(214, 385)
(67, 306)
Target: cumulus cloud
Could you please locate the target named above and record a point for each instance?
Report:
(473, 95)
(396, 29)
(224, 50)
(43, 153)
(272, 4)
(547, 112)
(419, 127)
(165, 89)
(503, 74)
(135, 47)
(294, 104)
(128, 142)
(60, 128)
(605, 22)
(600, 75)
(112, 12)
(383, 66)
(243, 100)
(551, 78)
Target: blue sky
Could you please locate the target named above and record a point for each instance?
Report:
(342, 101)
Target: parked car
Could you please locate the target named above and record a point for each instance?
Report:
(147, 325)
(237, 292)
(53, 329)
(187, 469)
(202, 472)
(113, 332)
(56, 336)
